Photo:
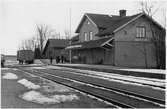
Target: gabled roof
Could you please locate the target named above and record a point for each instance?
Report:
(104, 21)
(108, 24)
(118, 24)
(56, 43)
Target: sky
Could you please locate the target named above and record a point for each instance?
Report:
(18, 18)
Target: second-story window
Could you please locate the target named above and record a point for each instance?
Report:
(140, 32)
(85, 36)
(91, 35)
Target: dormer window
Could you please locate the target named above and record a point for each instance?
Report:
(140, 32)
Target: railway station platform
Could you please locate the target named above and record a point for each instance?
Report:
(148, 73)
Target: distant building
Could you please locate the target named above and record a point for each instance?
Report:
(117, 40)
(55, 47)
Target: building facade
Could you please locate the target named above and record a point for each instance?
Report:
(116, 40)
(55, 47)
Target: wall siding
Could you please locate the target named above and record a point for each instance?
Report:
(129, 50)
(88, 28)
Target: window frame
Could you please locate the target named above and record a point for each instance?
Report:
(85, 36)
(91, 35)
(140, 32)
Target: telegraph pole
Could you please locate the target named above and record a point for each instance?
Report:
(70, 33)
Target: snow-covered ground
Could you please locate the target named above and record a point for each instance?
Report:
(118, 68)
(9, 76)
(147, 70)
(39, 93)
(28, 84)
(11, 62)
(43, 92)
(37, 67)
(37, 97)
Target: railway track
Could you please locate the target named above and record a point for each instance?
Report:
(114, 78)
(140, 91)
(114, 96)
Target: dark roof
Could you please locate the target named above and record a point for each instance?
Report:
(102, 20)
(106, 23)
(90, 44)
(58, 43)
(116, 24)
(75, 38)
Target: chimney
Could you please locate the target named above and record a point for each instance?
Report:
(122, 13)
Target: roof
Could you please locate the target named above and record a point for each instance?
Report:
(104, 21)
(118, 23)
(88, 44)
(58, 43)
(108, 24)
(75, 38)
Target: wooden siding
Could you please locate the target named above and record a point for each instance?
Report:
(130, 51)
(87, 28)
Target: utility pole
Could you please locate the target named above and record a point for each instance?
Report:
(70, 34)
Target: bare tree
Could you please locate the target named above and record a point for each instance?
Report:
(148, 7)
(158, 34)
(43, 33)
(67, 34)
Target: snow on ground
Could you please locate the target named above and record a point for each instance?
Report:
(11, 62)
(37, 67)
(15, 69)
(54, 67)
(37, 97)
(127, 78)
(28, 84)
(147, 70)
(9, 76)
(120, 78)
(54, 87)
(5, 68)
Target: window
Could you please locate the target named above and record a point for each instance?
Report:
(85, 36)
(140, 31)
(91, 35)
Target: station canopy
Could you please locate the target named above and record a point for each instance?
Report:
(105, 43)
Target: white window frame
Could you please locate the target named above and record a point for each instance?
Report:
(140, 32)
(91, 35)
(85, 36)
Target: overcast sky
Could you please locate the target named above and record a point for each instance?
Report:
(18, 17)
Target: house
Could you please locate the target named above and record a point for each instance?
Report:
(117, 40)
(55, 47)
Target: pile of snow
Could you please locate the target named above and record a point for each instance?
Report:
(37, 97)
(28, 84)
(9, 76)
(5, 68)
